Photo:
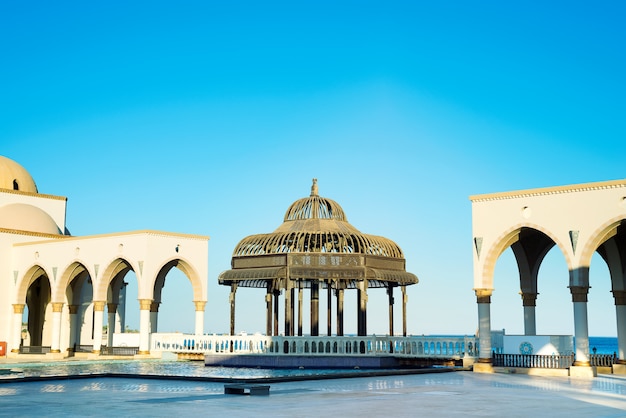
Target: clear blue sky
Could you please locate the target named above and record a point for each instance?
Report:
(212, 117)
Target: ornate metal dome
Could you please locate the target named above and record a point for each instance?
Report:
(316, 224)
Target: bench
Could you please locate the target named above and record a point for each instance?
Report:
(246, 389)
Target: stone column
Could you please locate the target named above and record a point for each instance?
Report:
(405, 300)
(315, 304)
(154, 316)
(231, 299)
(300, 311)
(18, 313)
(391, 301)
(98, 320)
(57, 310)
(483, 300)
(144, 326)
(529, 301)
(581, 327)
(111, 314)
(339, 312)
(73, 309)
(620, 311)
(200, 306)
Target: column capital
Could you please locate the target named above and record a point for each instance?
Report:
(111, 307)
(57, 306)
(73, 309)
(529, 299)
(145, 304)
(18, 308)
(154, 306)
(619, 296)
(200, 305)
(579, 293)
(98, 305)
(483, 295)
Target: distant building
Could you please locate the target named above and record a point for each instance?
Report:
(56, 287)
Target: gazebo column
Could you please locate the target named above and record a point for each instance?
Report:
(98, 319)
(339, 311)
(405, 299)
(73, 309)
(483, 300)
(144, 326)
(231, 299)
(620, 311)
(111, 313)
(529, 301)
(391, 301)
(268, 310)
(200, 305)
(276, 296)
(300, 311)
(288, 308)
(329, 315)
(362, 308)
(315, 306)
(18, 313)
(57, 310)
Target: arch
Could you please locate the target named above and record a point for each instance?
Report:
(507, 239)
(70, 273)
(188, 270)
(32, 274)
(599, 236)
(113, 270)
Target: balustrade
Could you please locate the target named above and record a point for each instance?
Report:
(416, 346)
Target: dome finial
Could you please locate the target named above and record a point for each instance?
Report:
(314, 188)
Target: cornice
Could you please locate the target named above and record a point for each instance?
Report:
(22, 193)
(584, 187)
(31, 234)
(120, 234)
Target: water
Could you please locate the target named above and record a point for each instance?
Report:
(604, 345)
(158, 367)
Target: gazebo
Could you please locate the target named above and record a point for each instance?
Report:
(316, 248)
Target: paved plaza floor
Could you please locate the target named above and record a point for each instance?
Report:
(441, 394)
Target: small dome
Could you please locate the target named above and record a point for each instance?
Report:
(15, 177)
(316, 224)
(22, 217)
(314, 207)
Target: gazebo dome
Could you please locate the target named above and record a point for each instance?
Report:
(316, 224)
(15, 177)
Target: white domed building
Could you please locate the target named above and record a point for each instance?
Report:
(56, 287)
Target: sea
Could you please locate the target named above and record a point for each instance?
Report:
(603, 345)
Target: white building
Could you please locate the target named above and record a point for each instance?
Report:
(579, 220)
(56, 287)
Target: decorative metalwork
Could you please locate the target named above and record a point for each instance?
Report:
(316, 248)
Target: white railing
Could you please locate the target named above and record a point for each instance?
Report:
(415, 346)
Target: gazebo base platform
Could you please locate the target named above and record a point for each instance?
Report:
(268, 361)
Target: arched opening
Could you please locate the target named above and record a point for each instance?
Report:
(173, 309)
(16, 185)
(37, 312)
